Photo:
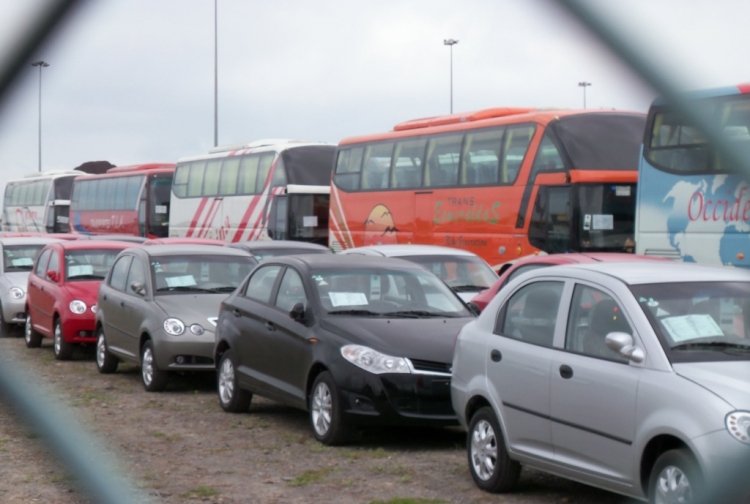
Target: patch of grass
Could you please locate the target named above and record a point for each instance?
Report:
(165, 436)
(200, 492)
(88, 397)
(409, 500)
(312, 476)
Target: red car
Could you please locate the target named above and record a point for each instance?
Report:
(529, 263)
(62, 292)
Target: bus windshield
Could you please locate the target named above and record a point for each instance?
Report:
(159, 192)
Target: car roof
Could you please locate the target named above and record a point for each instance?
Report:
(277, 244)
(28, 240)
(649, 272)
(344, 261)
(192, 249)
(408, 249)
(93, 244)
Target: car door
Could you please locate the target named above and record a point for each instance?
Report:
(35, 284)
(593, 390)
(49, 292)
(518, 367)
(248, 318)
(137, 304)
(111, 301)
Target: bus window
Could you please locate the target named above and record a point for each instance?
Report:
(348, 168)
(443, 154)
(279, 174)
(195, 178)
(407, 168)
(248, 175)
(211, 178)
(517, 140)
(481, 157)
(229, 171)
(376, 165)
(158, 204)
(548, 157)
(264, 166)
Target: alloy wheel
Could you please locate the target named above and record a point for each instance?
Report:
(321, 409)
(483, 450)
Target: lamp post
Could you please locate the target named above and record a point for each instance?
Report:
(216, 73)
(450, 43)
(41, 64)
(584, 85)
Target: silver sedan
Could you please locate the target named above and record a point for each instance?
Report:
(632, 377)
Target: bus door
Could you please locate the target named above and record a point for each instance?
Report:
(157, 219)
(424, 215)
(301, 214)
(58, 211)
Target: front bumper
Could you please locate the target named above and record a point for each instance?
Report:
(14, 310)
(187, 352)
(79, 328)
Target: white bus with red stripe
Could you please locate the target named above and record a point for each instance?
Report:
(268, 189)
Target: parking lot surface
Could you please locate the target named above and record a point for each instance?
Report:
(179, 446)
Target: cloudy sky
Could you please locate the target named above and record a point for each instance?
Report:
(132, 81)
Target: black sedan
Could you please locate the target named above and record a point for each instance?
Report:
(351, 339)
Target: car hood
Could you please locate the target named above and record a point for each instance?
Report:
(728, 380)
(200, 309)
(85, 290)
(430, 339)
(17, 279)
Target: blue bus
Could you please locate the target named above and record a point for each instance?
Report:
(693, 203)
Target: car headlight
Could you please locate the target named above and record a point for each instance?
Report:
(374, 361)
(174, 326)
(77, 306)
(16, 293)
(94, 308)
(197, 329)
(738, 425)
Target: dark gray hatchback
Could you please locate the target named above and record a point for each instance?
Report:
(351, 339)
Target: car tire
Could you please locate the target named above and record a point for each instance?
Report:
(33, 339)
(675, 477)
(489, 463)
(105, 362)
(232, 398)
(61, 348)
(326, 417)
(154, 379)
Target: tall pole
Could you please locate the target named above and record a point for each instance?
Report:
(216, 73)
(584, 85)
(41, 64)
(450, 43)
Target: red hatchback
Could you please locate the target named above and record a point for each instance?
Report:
(62, 291)
(529, 263)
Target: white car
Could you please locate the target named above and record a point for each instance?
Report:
(465, 272)
(633, 377)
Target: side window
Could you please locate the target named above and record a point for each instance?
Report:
(54, 262)
(211, 177)
(41, 264)
(516, 145)
(443, 154)
(348, 167)
(291, 291)
(248, 174)
(530, 314)
(260, 286)
(137, 274)
(120, 273)
(376, 166)
(481, 157)
(547, 157)
(593, 315)
(264, 166)
(407, 167)
(195, 178)
(228, 179)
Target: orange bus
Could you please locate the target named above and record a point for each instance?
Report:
(500, 182)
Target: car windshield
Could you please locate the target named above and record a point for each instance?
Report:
(382, 292)
(461, 273)
(19, 257)
(199, 273)
(699, 321)
(88, 264)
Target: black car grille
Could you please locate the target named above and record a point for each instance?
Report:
(430, 366)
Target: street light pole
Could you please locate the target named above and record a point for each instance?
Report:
(41, 64)
(584, 85)
(216, 73)
(450, 43)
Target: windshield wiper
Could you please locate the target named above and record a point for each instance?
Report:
(186, 288)
(86, 277)
(223, 288)
(417, 314)
(468, 288)
(711, 344)
(358, 311)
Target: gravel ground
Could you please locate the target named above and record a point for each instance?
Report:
(179, 446)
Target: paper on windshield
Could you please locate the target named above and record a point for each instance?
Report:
(80, 270)
(689, 327)
(22, 261)
(181, 281)
(347, 298)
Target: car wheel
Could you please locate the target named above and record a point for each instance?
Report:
(489, 463)
(62, 349)
(325, 411)
(33, 339)
(105, 361)
(231, 397)
(674, 478)
(154, 379)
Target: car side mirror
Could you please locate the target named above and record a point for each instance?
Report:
(623, 344)
(53, 275)
(138, 288)
(297, 313)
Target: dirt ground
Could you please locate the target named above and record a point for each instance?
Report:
(179, 446)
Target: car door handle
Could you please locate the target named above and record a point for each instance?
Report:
(496, 356)
(236, 312)
(104, 297)
(122, 304)
(270, 326)
(566, 371)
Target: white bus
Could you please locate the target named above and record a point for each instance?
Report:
(268, 189)
(39, 202)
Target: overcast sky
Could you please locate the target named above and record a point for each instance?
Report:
(132, 81)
